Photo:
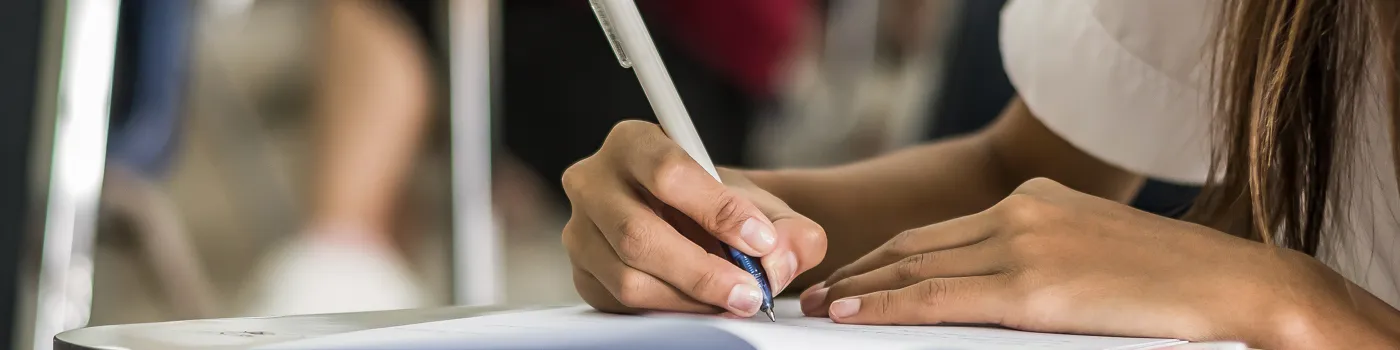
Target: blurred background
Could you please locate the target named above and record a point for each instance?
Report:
(174, 159)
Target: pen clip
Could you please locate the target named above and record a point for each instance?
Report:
(608, 30)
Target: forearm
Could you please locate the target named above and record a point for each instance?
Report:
(862, 205)
(1361, 321)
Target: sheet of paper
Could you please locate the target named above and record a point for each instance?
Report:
(583, 328)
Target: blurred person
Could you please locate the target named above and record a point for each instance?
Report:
(1283, 109)
(373, 101)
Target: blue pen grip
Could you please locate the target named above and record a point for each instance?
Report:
(750, 264)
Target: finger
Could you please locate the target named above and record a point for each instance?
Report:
(801, 246)
(967, 261)
(609, 285)
(671, 175)
(955, 233)
(599, 297)
(801, 241)
(596, 295)
(813, 300)
(975, 300)
(643, 241)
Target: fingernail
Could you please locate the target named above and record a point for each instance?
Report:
(814, 299)
(758, 235)
(781, 271)
(745, 298)
(845, 308)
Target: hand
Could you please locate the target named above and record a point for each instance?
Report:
(647, 219)
(1050, 259)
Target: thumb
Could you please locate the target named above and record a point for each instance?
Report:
(801, 242)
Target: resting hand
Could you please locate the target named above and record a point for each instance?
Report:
(646, 222)
(1050, 259)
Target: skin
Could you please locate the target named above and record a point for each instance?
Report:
(373, 86)
(1050, 259)
(1011, 226)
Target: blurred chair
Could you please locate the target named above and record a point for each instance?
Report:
(123, 73)
(77, 110)
(478, 250)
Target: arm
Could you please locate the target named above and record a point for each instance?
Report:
(862, 205)
(646, 216)
(370, 112)
(1267, 296)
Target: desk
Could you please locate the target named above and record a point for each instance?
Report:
(246, 333)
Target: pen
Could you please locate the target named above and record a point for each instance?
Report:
(628, 36)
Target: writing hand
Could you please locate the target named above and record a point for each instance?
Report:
(646, 221)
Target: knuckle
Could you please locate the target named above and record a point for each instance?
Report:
(704, 282)
(911, 267)
(1023, 209)
(630, 127)
(884, 303)
(932, 292)
(1037, 185)
(632, 288)
(899, 241)
(668, 172)
(902, 244)
(633, 245)
(573, 180)
(627, 137)
(729, 215)
(569, 238)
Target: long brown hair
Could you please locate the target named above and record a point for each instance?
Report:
(1288, 78)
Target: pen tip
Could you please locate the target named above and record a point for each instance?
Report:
(770, 315)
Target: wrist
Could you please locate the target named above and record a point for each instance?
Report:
(1298, 327)
(1289, 325)
(1323, 310)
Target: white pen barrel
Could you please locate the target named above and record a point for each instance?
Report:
(656, 82)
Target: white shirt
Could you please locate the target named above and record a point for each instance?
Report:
(1127, 81)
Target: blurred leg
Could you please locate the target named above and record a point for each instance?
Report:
(370, 111)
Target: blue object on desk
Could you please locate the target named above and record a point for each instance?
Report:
(638, 334)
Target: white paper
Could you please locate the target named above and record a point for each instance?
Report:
(790, 332)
